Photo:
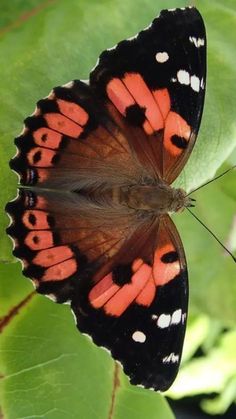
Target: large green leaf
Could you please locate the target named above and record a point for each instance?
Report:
(47, 368)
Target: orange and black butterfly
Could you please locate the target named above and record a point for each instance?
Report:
(96, 161)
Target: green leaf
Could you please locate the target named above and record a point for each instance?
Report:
(13, 287)
(198, 330)
(220, 404)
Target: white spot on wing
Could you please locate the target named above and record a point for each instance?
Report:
(176, 316)
(162, 57)
(184, 317)
(183, 77)
(198, 42)
(172, 358)
(164, 321)
(195, 83)
(139, 336)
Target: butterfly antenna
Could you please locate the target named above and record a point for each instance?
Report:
(215, 237)
(212, 180)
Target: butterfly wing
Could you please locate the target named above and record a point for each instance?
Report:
(64, 238)
(154, 85)
(141, 320)
(71, 143)
(120, 274)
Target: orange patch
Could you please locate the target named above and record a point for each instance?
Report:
(146, 296)
(119, 95)
(35, 220)
(41, 203)
(62, 124)
(52, 256)
(137, 263)
(73, 111)
(40, 157)
(43, 175)
(60, 271)
(127, 294)
(37, 240)
(147, 128)
(164, 272)
(175, 125)
(163, 99)
(46, 137)
(103, 291)
(144, 98)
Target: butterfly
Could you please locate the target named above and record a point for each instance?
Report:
(91, 222)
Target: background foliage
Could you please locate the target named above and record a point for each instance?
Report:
(47, 369)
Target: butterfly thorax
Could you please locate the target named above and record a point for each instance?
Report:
(160, 198)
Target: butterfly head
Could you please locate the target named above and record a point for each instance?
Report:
(181, 200)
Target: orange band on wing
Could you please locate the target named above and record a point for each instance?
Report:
(52, 256)
(60, 271)
(119, 95)
(103, 291)
(62, 124)
(144, 98)
(73, 111)
(137, 263)
(46, 137)
(131, 90)
(36, 220)
(164, 272)
(126, 295)
(163, 99)
(146, 296)
(37, 240)
(175, 125)
(148, 128)
(41, 157)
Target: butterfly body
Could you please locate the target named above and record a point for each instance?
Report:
(91, 220)
(158, 199)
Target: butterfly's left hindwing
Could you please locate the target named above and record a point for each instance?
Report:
(86, 159)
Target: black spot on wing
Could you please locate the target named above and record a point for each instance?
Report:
(170, 257)
(135, 115)
(32, 219)
(122, 274)
(37, 157)
(179, 142)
